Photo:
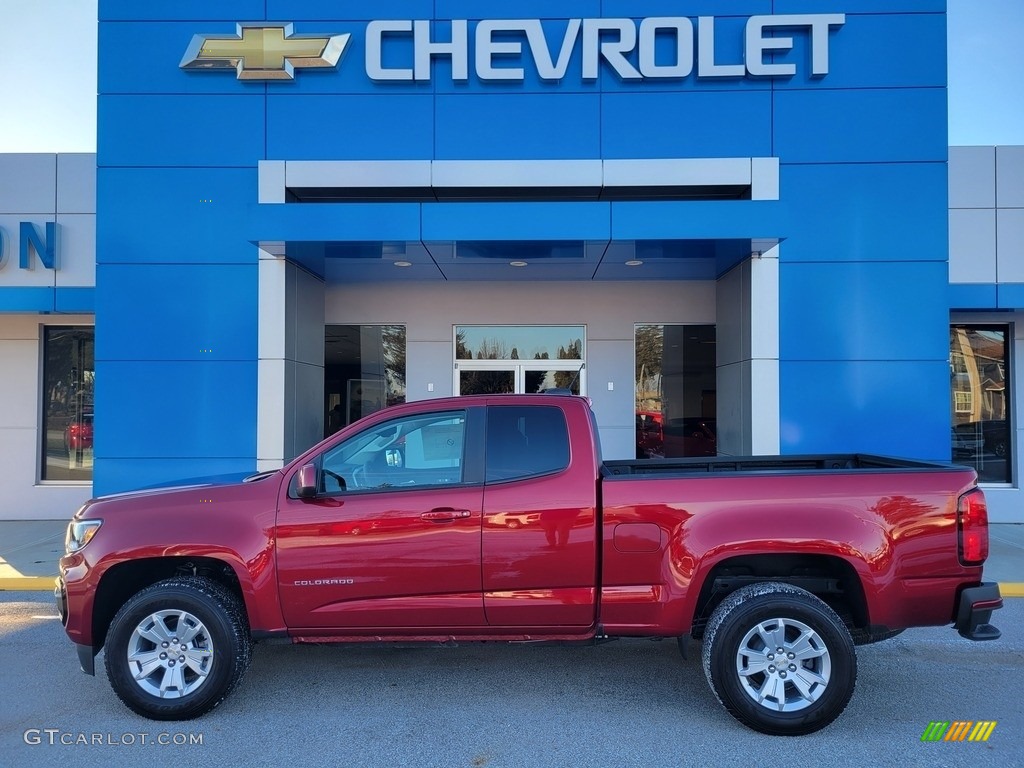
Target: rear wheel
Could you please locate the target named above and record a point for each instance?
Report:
(779, 659)
(177, 648)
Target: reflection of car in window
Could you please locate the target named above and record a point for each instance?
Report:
(676, 437)
(993, 433)
(78, 434)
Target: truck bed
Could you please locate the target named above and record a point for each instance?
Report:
(830, 463)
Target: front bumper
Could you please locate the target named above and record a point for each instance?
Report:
(86, 653)
(975, 610)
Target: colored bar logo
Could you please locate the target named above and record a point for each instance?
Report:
(959, 730)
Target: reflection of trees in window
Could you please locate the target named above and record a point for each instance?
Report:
(650, 343)
(518, 343)
(393, 342)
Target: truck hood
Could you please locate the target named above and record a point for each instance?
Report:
(179, 486)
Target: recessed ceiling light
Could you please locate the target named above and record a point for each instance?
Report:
(634, 263)
(403, 263)
(517, 263)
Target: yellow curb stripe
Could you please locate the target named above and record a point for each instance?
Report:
(988, 731)
(27, 583)
(1012, 589)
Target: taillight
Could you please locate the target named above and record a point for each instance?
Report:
(972, 525)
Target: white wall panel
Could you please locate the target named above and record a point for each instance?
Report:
(1010, 245)
(972, 177)
(972, 245)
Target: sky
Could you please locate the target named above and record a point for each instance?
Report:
(48, 85)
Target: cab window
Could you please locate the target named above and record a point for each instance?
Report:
(525, 441)
(410, 452)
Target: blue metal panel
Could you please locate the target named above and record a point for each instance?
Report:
(867, 125)
(290, 10)
(177, 312)
(341, 222)
(75, 299)
(692, 8)
(394, 127)
(1011, 296)
(866, 212)
(216, 131)
(884, 39)
(229, 10)
(882, 407)
(861, 311)
(130, 474)
(686, 124)
(523, 9)
(703, 220)
(27, 299)
(861, 6)
(173, 409)
(972, 296)
(518, 126)
(143, 57)
(516, 221)
(174, 215)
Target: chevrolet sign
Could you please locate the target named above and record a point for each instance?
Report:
(627, 46)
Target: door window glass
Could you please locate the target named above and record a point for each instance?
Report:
(487, 382)
(411, 452)
(523, 441)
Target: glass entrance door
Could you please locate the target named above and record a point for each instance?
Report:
(499, 377)
(474, 380)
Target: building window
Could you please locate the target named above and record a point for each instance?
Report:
(364, 371)
(676, 391)
(508, 359)
(981, 429)
(69, 380)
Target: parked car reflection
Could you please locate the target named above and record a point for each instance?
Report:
(992, 434)
(676, 437)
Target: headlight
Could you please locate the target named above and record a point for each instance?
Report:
(80, 533)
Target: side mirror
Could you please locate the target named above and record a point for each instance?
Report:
(307, 481)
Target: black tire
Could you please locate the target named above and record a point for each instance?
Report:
(222, 647)
(828, 669)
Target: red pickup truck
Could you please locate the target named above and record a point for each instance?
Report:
(494, 518)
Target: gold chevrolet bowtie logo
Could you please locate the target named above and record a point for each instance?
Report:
(264, 52)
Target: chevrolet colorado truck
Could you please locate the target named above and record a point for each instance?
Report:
(494, 518)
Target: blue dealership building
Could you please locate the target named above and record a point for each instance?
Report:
(737, 227)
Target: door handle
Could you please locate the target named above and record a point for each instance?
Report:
(446, 515)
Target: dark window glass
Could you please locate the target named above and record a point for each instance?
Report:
(364, 371)
(402, 454)
(676, 391)
(979, 380)
(69, 378)
(524, 441)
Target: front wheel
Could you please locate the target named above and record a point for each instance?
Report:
(177, 648)
(779, 659)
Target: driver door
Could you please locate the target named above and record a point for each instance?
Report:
(392, 538)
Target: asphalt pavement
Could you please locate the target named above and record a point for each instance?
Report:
(625, 703)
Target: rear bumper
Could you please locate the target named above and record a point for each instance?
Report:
(975, 610)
